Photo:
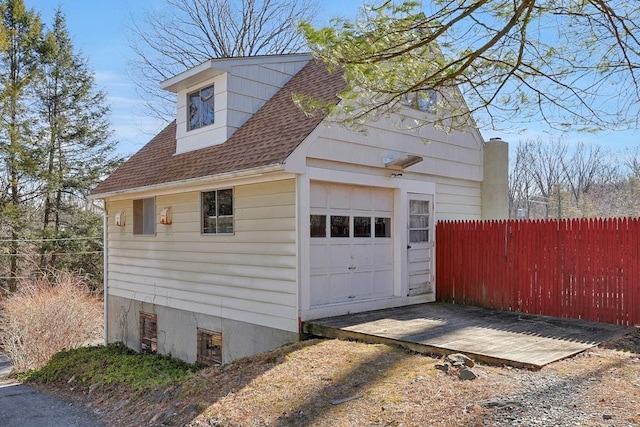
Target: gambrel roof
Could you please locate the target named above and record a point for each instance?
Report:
(266, 138)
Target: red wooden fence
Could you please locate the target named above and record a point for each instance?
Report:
(579, 268)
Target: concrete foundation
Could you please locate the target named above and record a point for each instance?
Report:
(177, 331)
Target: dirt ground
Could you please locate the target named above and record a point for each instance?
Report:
(338, 383)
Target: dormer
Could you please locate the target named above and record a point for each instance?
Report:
(218, 96)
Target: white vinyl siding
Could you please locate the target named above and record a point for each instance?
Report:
(457, 199)
(250, 276)
(453, 161)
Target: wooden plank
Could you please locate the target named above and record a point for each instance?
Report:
(490, 336)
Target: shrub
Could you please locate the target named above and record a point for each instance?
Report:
(48, 315)
(112, 364)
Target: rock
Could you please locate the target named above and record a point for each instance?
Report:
(459, 359)
(466, 374)
(443, 368)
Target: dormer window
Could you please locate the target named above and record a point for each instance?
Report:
(422, 100)
(201, 108)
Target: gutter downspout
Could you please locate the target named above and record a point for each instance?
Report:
(105, 270)
(105, 274)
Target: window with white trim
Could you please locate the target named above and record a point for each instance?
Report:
(217, 211)
(200, 107)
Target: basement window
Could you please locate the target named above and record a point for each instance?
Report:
(209, 348)
(148, 333)
(144, 216)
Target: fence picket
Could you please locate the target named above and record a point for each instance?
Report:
(576, 268)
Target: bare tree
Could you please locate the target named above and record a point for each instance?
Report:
(189, 32)
(588, 166)
(632, 161)
(558, 179)
(521, 186)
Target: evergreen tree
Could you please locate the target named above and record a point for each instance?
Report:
(20, 41)
(75, 137)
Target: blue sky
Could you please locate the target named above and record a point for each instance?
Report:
(99, 28)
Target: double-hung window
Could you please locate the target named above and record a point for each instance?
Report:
(201, 108)
(217, 211)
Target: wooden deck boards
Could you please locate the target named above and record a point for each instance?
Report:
(491, 336)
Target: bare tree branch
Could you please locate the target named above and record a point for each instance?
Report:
(189, 32)
(570, 64)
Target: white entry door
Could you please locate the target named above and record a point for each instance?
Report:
(420, 244)
(351, 243)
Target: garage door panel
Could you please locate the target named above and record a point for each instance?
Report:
(380, 255)
(339, 257)
(362, 284)
(382, 201)
(381, 281)
(362, 256)
(356, 268)
(319, 257)
(339, 287)
(319, 289)
(319, 197)
(362, 200)
(340, 197)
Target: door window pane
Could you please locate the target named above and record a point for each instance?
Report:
(418, 221)
(318, 226)
(339, 226)
(361, 226)
(383, 227)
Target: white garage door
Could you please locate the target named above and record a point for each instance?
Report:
(351, 243)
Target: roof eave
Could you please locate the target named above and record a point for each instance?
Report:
(243, 173)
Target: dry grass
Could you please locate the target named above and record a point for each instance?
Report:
(338, 383)
(46, 316)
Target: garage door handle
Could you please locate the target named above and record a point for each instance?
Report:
(408, 246)
(352, 268)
